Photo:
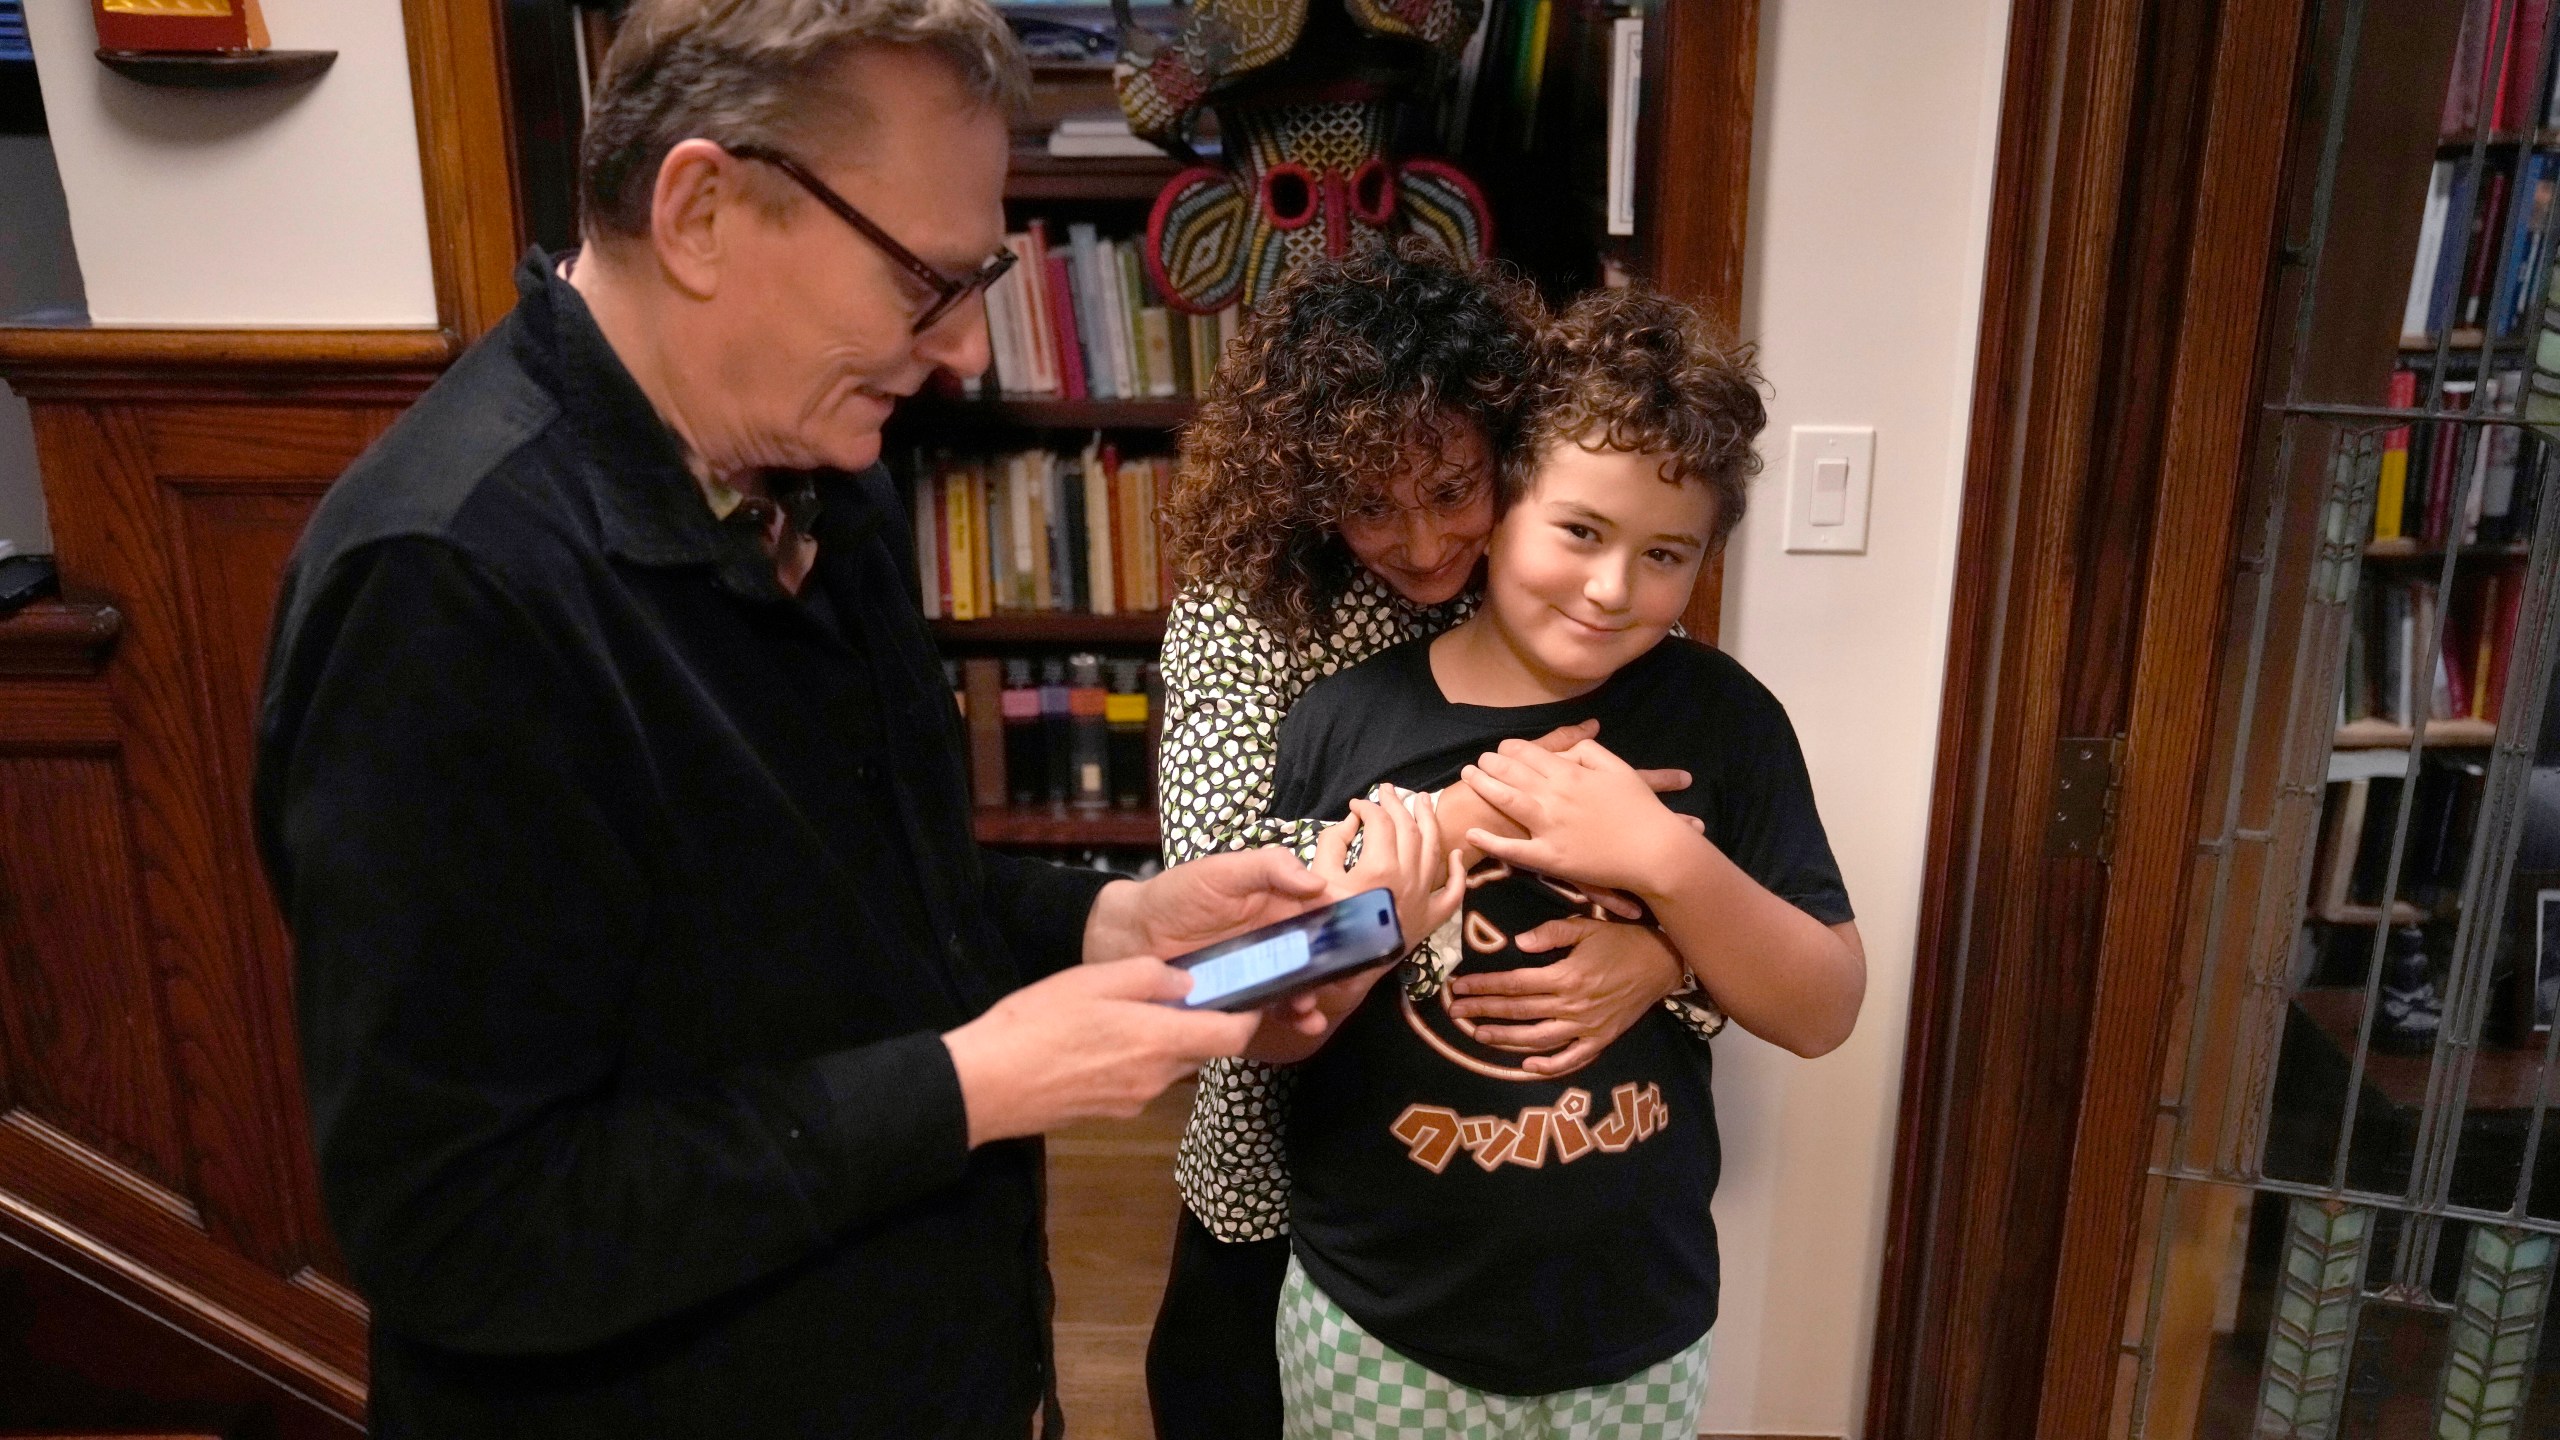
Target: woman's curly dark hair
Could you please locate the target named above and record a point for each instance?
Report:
(1636, 371)
(1340, 369)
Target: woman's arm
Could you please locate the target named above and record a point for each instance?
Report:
(1228, 681)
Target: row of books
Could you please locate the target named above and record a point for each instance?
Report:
(2396, 619)
(2419, 481)
(1081, 321)
(1072, 733)
(1039, 530)
(14, 44)
(2498, 68)
(2482, 247)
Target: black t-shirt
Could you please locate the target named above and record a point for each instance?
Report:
(1519, 1234)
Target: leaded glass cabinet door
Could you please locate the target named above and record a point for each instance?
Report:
(2354, 1205)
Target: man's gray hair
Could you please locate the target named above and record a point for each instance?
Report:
(761, 72)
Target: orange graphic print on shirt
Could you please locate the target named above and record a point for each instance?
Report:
(1565, 1131)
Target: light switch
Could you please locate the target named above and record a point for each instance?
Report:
(1830, 475)
(1830, 490)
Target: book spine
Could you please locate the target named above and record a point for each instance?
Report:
(957, 501)
(2462, 93)
(1155, 327)
(2458, 227)
(2414, 321)
(1133, 298)
(1042, 327)
(985, 681)
(1088, 292)
(1004, 343)
(1062, 310)
(1124, 555)
(921, 508)
(1149, 557)
(2484, 252)
(2391, 489)
(1060, 564)
(1098, 531)
(1117, 321)
(1070, 472)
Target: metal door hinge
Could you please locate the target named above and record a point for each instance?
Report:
(2088, 771)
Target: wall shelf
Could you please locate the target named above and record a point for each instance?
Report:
(2441, 735)
(218, 69)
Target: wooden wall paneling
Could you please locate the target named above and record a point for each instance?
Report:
(81, 1028)
(237, 1083)
(179, 510)
(1702, 65)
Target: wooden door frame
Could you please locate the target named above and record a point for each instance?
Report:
(2141, 149)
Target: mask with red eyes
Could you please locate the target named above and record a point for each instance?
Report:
(1304, 120)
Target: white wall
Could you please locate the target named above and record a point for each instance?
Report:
(1871, 184)
(38, 276)
(294, 206)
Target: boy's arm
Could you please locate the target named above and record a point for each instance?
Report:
(1786, 976)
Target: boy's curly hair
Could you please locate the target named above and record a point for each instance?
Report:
(1339, 369)
(1636, 371)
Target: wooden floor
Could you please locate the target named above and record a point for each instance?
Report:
(1111, 1215)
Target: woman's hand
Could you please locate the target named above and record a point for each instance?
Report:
(1564, 1014)
(1589, 816)
(1402, 851)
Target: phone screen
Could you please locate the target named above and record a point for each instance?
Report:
(1306, 950)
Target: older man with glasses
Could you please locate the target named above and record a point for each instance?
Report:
(673, 1053)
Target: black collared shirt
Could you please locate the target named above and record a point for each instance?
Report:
(630, 894)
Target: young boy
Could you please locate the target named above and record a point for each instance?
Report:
(1480, 1249)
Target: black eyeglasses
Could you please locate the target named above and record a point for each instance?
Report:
(947, 292)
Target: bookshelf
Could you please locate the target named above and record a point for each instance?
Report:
(1056, 628)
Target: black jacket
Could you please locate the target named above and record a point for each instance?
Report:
(630, 894)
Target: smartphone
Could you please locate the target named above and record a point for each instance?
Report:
(1259, 967)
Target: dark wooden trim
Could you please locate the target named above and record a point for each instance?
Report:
(157, 1259)
(2212, 415)
(1964, 846)
(56, 638)
(84, 364)
(467, 160)
(1702, 66)
(2091, 426)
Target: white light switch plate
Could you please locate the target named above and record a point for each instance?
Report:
(1830, 474)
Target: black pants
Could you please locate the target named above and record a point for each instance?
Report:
(1213, 1365)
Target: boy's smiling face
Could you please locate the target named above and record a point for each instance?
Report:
(1593, 565)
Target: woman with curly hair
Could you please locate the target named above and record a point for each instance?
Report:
(1334, 499)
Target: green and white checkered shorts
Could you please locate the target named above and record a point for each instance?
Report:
(1339, 1382)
